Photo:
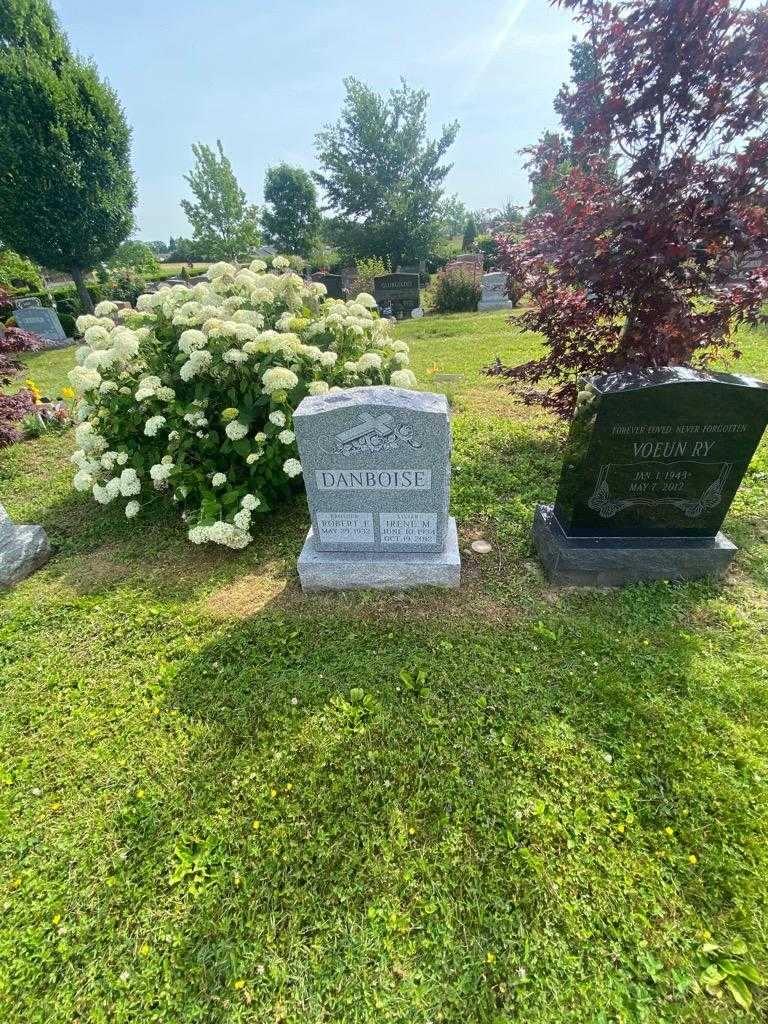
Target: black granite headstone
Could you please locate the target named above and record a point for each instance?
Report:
(398, 292)
(652, 463)
(333, 284)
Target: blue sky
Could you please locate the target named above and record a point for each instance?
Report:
(263, 77)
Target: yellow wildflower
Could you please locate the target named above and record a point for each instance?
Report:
(693, 859)
(240, 983)
(56, 919)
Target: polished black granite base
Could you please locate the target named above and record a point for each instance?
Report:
(614, 562)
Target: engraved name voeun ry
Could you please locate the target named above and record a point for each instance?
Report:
(373, 479)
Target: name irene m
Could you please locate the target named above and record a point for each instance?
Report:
(373, 479)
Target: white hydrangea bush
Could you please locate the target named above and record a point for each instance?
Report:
(192, 392)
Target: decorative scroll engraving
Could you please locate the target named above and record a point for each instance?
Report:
(604, 501)
(376, 434)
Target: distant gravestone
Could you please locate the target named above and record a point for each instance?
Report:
(376, 463)
(494, 294)
(419, 268)
(349, 279)
(28, 303)
(333, 284)
(399, 293)
(474, 259)
(652, 464)
(41, 320)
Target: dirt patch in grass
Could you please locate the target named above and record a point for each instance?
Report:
(250, 594)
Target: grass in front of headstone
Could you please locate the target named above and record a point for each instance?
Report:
(224, 801)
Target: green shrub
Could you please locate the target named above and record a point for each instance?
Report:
(124, 285)
(68, 324)
(456, 291)
(445, 250)
(194, 392)
(16, 271)
(136, 256)
(370, 268)
(26, 293)
(490, 250)
(67, 303)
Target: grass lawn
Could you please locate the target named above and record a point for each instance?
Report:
(548, 803)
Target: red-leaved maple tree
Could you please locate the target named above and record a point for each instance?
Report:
(657, 247)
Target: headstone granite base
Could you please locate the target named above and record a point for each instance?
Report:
(23, 550)
(617, 561)
(380, 570)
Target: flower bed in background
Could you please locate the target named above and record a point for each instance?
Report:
(193, 391)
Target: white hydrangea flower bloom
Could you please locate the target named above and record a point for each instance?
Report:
(97, 337)
(218, 479)
(276, 417)
(250, 501)
(242, 519)
(153, 424)
(84, 380)
(84, 321)
(369, 361)
(366, 300)
(129, 483)
(112, 487)
(253, 457)
(132, 509)
(286, 437)
(192, 339)
(278, 378)
(318, 387)
(161, 471)
(219, 270)
(403, 379)
(83, 481)
(280, 263)
(105, 308)
(292, 467)
(236, 430)
(329, 359)
(236, 355)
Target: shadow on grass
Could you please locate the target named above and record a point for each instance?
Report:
(435, 826)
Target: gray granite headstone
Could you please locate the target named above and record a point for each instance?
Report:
(494, 294)
(376, 464)
(23, 550)
(41, 320)
(29, 303)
